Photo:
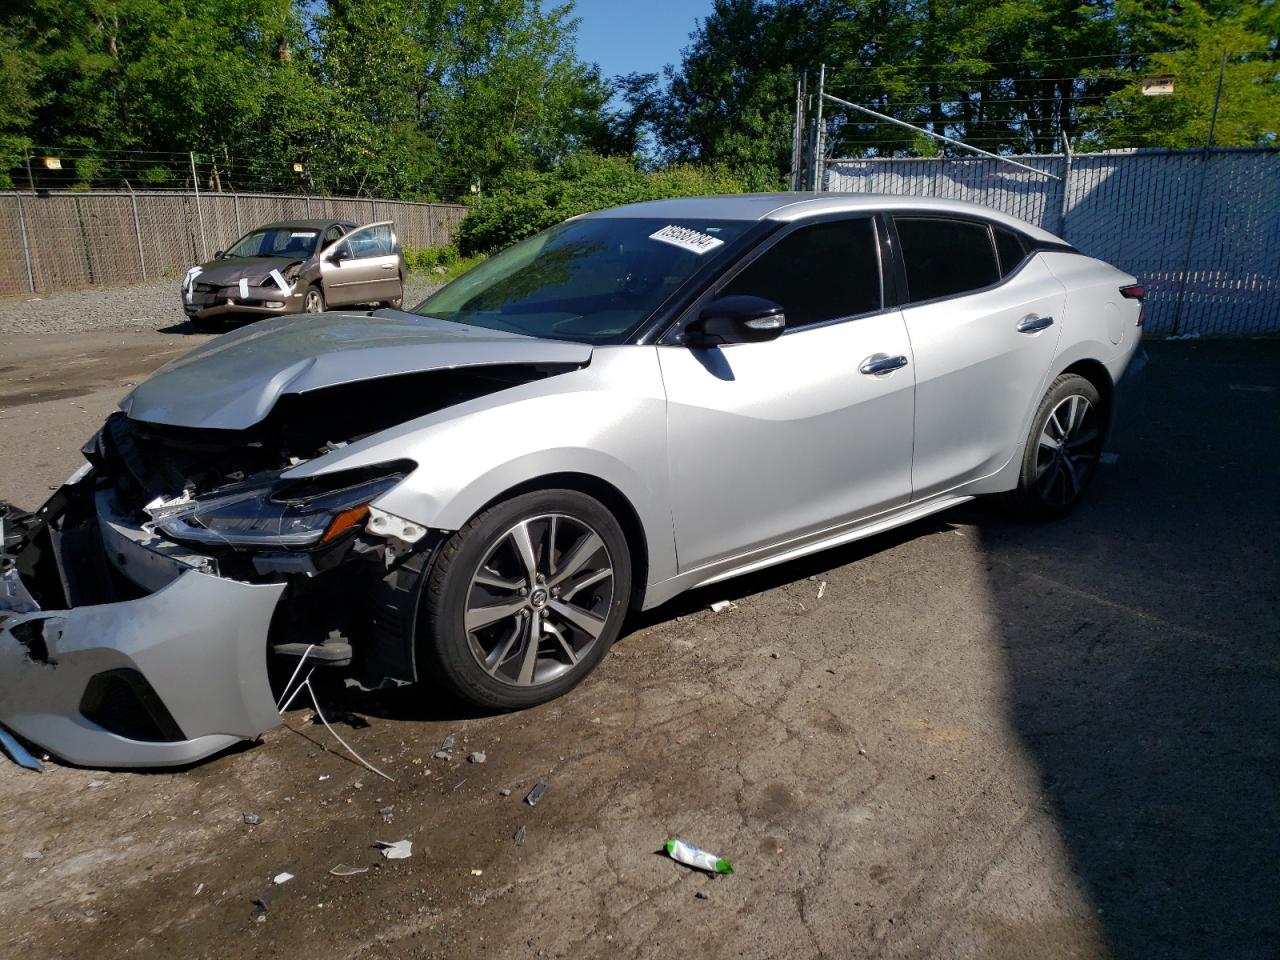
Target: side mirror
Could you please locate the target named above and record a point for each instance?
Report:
(339, 254)
(739, 319)
(217, 254)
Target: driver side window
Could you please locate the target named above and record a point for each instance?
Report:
(825, 271)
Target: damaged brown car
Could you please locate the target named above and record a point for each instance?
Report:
(297, 266)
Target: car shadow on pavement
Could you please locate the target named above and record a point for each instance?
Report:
(1142, 641)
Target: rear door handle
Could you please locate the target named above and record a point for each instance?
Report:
(879, 364)
(1032, 324)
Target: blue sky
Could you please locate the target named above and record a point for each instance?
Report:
(635, 36)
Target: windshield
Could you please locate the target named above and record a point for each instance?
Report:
(297, 242)
(592, 281)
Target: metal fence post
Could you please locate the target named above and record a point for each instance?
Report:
(26, 243)
(820, 147)
(137, 230)
(195, 185)
(1195, 210)
(1066, 186)
(235, 205)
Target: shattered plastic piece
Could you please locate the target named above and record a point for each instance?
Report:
(33, 855)
(477, 873)
(720, 606)
(476, 757)
(388, 814)
(280, 878)
(822, 588)
(536, 794)
(324, 777)
(449, 741)
(505, 791)
(399, 850)
(199, 889)
(696, 857)
(342, 870)
(702, 895)
(18, 752)
(95, 784)
(519, 837)
(252, 819)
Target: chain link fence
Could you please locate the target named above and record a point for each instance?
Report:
(68, 240)
(1200, 227)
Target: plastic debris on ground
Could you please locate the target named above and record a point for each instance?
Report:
(342, 870)
(477, 873)
(280, 878)
(33, 855)
(822, 588)
(449, 742)
(505, 791)
(477, 757)
(696, 857)
(398, 850)
(519, 837)
(720, 606)
(20, 755)
(252, 819)
(388, 814)
(536, 794)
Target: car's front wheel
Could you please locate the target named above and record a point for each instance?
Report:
(1062, 450)
(524, 601)
(313, 302)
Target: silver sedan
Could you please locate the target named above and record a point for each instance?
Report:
(623, 407)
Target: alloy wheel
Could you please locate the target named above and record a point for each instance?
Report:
(313, 303)
(1068, 450)
(539, 599)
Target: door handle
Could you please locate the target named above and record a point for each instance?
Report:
(879, 364)
(392, 266)
(1033, 324)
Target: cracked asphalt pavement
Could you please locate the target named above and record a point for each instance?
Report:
(984, 739)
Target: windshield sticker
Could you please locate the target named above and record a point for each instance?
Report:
(303, 233)
(687, 239)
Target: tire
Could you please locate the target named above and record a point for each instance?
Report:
(1054, 478)
(488, 665)
(313, 300)
(394, 304)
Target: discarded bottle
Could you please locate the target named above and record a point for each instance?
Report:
(692, 856)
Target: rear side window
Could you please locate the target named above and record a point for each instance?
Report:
(826, 271)
(946, 257)
(1011, 249)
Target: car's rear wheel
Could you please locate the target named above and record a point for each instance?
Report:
(313, 302)
(524, 601)
(1062, 450)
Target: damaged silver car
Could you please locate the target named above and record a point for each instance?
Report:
(623, 407)
(299, 266)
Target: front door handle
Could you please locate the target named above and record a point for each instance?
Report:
(392, 266)
(879, 364)
(1033, 324)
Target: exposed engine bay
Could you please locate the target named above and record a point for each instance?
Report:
(141, 605)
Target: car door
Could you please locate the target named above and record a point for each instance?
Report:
(772, 441)
(984, 334)
(362, 267)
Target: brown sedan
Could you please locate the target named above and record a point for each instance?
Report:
(299, 266)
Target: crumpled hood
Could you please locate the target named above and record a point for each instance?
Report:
(232, 382)
(225, 273)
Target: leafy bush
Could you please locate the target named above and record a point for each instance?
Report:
(443, 263)
(527, 201)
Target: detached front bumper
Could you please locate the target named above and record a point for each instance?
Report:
(164, 679)
(261, 305)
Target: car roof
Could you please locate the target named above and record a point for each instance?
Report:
(787, 207)
(305, 224)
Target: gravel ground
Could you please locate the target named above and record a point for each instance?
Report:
(967, 738)
(148, 306)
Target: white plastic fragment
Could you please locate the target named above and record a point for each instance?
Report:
(342, 870)
(720, 606)
(398, 850)
(280, 878)
(822, 588)
(477, 757)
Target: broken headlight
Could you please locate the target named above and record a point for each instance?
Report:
(301, 514)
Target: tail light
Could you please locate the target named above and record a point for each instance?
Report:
(1136, 291)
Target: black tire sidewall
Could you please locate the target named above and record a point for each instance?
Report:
(1027, 496)
(443, 646)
